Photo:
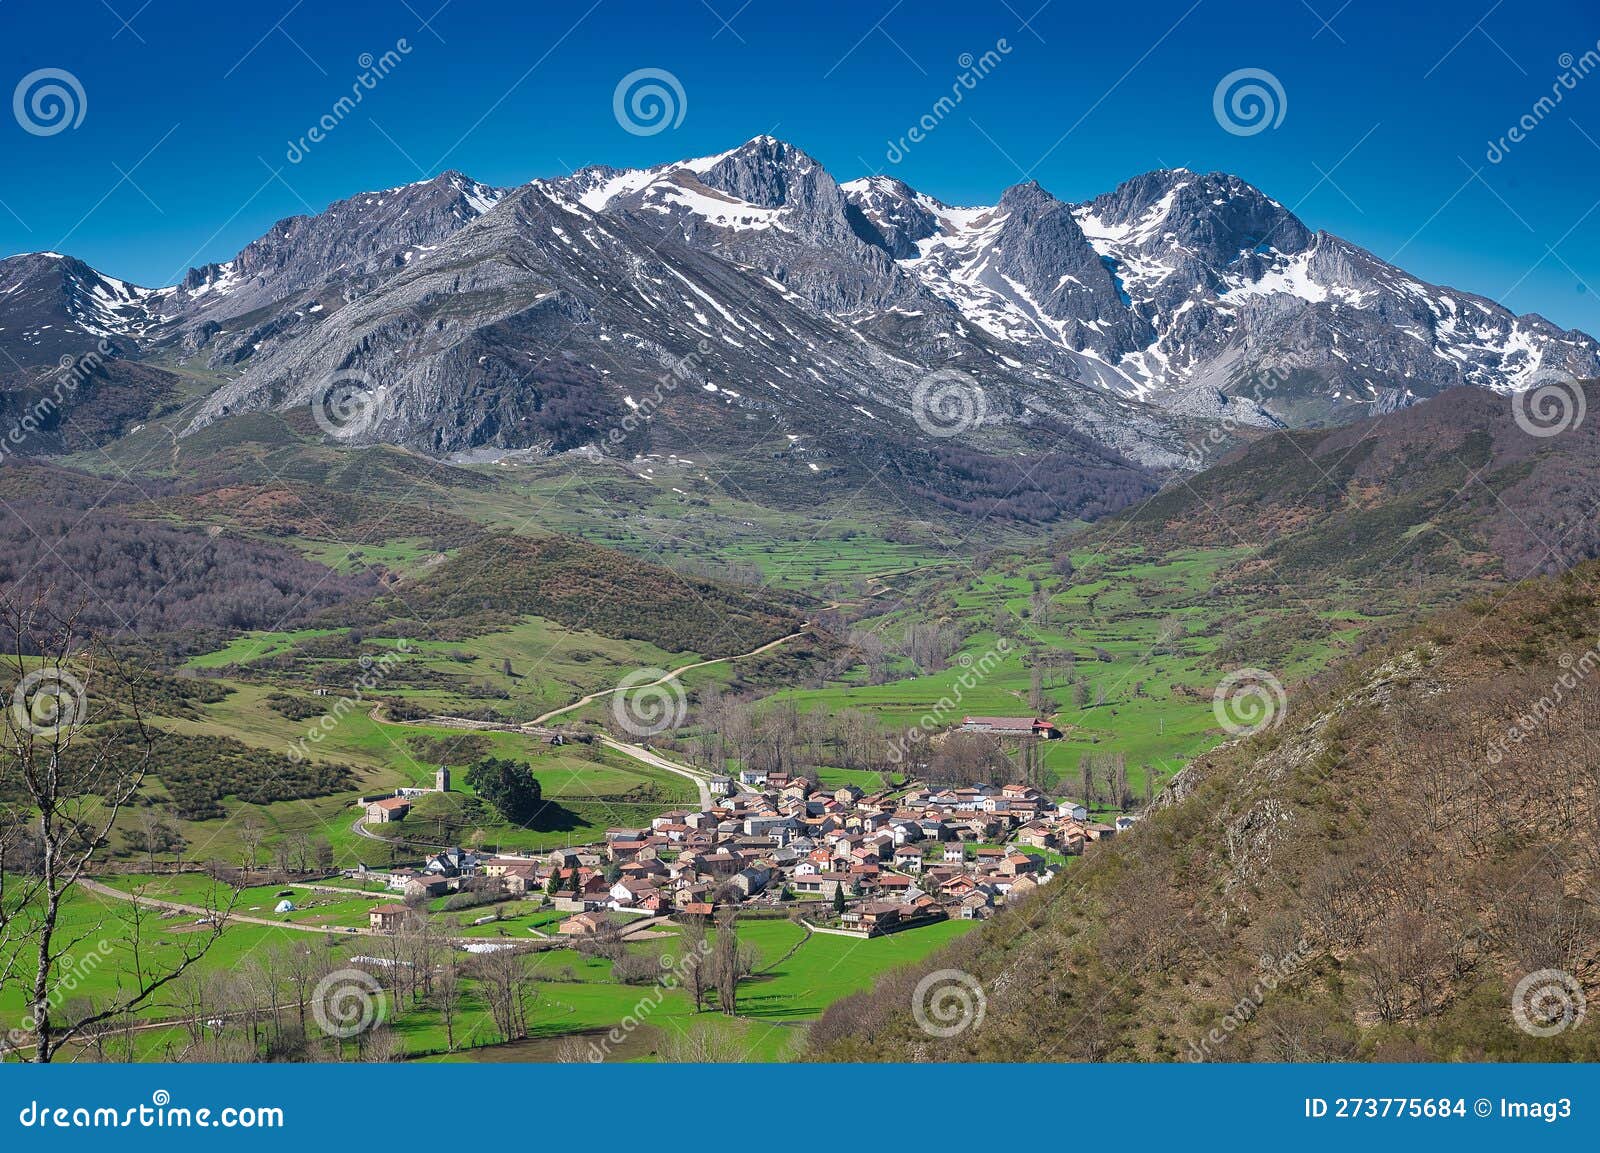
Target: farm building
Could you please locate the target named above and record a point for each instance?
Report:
(386, 918)
(1011, 727)
(388, 809)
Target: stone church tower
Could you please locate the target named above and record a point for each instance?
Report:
(441, 779)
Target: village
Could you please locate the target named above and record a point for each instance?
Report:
(840, 859)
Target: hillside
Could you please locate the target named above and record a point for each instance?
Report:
(1371, 879)
(584, 586)
(1453, 488)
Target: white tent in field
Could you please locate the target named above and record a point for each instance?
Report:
(284, 907)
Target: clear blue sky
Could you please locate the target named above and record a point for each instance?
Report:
(190, 108)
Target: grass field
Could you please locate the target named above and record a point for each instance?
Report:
(795, 977)
(1145, 637)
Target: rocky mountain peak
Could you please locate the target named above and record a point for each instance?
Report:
(1214, 216)
(770, 173)
(889, 213)
(1159, 301)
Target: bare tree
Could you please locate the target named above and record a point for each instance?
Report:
(694, 962)
(447, 995)
(505, 984)
(76, 751)
(251, 833)
(729, 962)
(302, 967)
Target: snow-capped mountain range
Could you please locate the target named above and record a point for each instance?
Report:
(540, 317)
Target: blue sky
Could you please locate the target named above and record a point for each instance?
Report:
(1388, 109)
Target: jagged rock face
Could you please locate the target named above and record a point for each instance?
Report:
(66, 335)
(1212, 219)
(890, 214)
(56, 306)
(1042, 249)
(770, 206)
(1241, 296)
(531, 319)
(772, 174)
(354, 242)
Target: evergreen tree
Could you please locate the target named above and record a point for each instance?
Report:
(509, 786)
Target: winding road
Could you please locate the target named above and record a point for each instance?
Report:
(671, 676)
(638, 753)
(656, 760)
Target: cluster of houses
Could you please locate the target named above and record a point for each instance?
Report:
(872, 863)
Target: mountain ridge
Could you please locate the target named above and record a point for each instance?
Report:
(1137, 318)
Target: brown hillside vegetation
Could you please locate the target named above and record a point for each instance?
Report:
(1451, 488)
(1369, 880)
(586, 586)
